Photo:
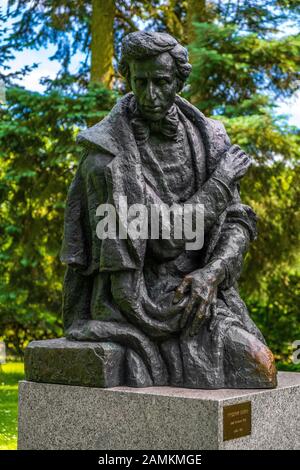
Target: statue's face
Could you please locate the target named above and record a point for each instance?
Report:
(153, 82)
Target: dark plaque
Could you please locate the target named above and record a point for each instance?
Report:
(236, 420)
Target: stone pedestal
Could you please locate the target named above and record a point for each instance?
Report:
(55, 416)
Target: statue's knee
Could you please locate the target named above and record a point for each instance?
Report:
(264, 361)
(249, 362)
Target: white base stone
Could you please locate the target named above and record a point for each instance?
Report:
(159, 418)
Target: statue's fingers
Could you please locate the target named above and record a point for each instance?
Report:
(244, 165)
(181, 290)
(249, 160)
(234, 148)
(240, 154)
(178, 307)
(186, 314)
(187, 311)
(245, 160)
(201, 314)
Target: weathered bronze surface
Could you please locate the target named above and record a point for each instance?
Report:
(176, 311)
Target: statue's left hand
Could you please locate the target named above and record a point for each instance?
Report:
(202, 284)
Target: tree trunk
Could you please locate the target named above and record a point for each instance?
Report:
(196, 11)
(102, 43)
(173, 20)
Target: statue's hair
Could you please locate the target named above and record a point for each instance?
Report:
(140, 44)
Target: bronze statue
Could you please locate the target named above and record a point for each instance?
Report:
(177, 312)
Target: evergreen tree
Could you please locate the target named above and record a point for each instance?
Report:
(38, 156)
(93, 28)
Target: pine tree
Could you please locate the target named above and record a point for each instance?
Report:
(93, 28)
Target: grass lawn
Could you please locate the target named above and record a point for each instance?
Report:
(10, 374)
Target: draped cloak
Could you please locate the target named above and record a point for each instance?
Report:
(115, 292)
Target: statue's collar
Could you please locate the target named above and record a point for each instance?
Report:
(105, 136)
(167, 126)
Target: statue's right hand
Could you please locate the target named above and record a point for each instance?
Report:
(234, 164)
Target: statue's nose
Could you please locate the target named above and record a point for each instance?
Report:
(150, 92)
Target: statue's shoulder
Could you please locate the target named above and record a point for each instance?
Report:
(214, 134)
(217, 130)
(219, 142)
(214, 128)
(103, 137)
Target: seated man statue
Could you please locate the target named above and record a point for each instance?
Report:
(176, 311)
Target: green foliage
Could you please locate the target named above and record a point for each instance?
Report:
(230, 67)
(38, 156)
(276, 313)
(66, 25)
(274, 193)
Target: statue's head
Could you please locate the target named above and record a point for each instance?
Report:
(155, 66)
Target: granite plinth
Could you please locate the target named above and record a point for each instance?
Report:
(53, 416)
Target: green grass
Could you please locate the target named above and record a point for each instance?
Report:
(10, 374)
